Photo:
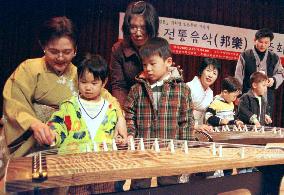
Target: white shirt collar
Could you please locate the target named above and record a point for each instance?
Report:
(160, 83)
(197, 84)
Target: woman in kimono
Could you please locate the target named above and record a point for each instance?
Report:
(35, 89)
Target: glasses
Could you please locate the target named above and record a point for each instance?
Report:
(134, 29)
(57, 53)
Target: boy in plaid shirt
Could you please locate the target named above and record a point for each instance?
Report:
(159, 105)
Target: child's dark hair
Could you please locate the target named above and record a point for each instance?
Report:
(258, 77)
(206, 62)
(95, 64)
(264, 32)
(231, 84)
(156, 46)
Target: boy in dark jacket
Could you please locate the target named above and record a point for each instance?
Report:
(253, 106)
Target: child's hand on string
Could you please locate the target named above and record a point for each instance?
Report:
(257, 124)
(268, 120)
(120, 140)
(239, 123)
(204, 127)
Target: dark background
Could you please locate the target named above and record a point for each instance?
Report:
(97, 21)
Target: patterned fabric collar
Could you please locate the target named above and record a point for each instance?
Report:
(160, 83)
(197, 84)
(218, 97)
(141, 78)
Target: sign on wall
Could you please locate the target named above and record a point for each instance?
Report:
(209, 40)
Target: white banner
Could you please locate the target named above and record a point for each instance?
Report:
(209, 40)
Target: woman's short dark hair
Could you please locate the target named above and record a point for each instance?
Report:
(96, 64)
(149, 14)
(264, 32)
(57, 27)
(206, 62)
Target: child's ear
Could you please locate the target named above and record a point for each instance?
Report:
(253, 85)
(105, 82)
(169, 61)
(225, 91)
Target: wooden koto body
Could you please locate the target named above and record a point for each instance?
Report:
(229, 134)
(92, 167)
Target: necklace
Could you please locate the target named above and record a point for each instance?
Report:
(86, 110)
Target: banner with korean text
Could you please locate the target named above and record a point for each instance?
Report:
(209, 40)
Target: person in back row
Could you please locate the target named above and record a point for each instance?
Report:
(260, 58)
(201, 93)
(141, 23)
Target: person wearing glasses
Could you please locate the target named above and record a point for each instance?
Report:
(141, 23)
(35, 89)
(37, 86)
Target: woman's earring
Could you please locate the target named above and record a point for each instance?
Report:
(44, 51)
(75, 53)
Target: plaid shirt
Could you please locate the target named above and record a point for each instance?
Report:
(172, 120)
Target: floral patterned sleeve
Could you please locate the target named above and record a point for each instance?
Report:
(60, 123)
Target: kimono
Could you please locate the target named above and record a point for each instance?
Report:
(32, 93)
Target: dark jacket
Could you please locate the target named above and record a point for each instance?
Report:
(248, 56)
(249, 106)
(250, 66)
(125, 64)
